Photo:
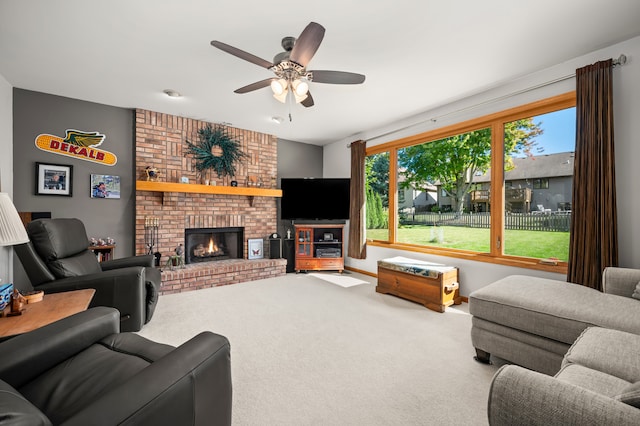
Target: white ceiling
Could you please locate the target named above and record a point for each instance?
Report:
(416, 54)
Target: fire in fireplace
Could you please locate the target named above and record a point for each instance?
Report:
(211, 244)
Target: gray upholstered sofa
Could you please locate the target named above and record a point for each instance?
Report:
(598, 384)
(532, 321)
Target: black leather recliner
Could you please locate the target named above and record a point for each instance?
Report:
(57, 258)
(82, 371)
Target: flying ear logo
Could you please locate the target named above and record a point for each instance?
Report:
(77, 144)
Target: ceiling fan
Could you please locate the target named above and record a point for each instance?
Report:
(290, 67)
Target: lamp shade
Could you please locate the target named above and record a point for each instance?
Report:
(12, 230)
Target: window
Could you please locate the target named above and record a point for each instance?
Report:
(377, 193)
(458, 183)
(452, 164)
(541, 183)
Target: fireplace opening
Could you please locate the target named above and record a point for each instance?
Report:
(211, 244)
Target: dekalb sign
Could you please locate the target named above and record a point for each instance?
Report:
(77, 144)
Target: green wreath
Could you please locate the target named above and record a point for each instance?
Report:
(224, 164)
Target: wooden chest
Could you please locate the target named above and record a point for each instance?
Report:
(435, 286)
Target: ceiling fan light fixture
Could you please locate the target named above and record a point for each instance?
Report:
(299, 98)
(279, 87)
(300, 87)
(282, 97)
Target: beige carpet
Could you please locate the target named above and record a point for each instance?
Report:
(307, 352)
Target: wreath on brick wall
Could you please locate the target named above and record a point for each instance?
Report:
(215, 151)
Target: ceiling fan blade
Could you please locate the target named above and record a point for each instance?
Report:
(254, 86)
(307, 44)
(308, 101)
(242, 54)
(337, 77)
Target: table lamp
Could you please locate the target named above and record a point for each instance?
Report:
(12, 230)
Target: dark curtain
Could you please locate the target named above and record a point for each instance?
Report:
(594, 229)
(357, 220)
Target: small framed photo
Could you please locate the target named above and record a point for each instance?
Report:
(105, 186)
(255, 249)
(54, 179)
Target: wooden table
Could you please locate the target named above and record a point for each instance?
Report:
(53, 307)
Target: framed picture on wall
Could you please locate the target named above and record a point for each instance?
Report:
(54, 179)
(105, 186)
(255, 249)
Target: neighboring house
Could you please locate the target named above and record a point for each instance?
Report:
(542, 182)
(536, 183)
(412, 199)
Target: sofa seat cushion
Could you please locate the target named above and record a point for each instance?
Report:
(68, 387)
(554, 309)
(613, 352)
(16, 410)
(594, 380)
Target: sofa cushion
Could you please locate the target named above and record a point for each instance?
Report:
(551, 308)
(58, 238)
(594, 380)
(68, 387)
(16, 410)
(84, 263)
(630, 395)
(613, 352)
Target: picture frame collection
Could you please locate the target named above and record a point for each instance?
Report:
(57, 180)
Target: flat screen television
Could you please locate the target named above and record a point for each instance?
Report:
(315, 198)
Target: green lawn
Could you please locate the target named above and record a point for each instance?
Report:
(536, 244)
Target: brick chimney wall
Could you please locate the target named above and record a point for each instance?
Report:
(160, 142)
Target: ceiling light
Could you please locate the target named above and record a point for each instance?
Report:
(172, 93)
(279, 86)
(300, 87)
(299, 98)
(277, 120)
(282, 97)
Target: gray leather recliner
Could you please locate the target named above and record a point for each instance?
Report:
(82, 371)
(57, 258)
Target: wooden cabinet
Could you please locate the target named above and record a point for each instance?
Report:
(319, 247)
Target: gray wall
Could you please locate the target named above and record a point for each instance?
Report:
(35, 113)
(297, 160)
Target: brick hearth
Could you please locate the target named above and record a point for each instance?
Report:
(160, 143)
(222, 272)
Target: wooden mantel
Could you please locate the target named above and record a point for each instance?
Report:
(143, 185)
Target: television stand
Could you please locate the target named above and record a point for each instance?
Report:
(319, 247)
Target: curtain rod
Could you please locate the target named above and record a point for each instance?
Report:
(622, 59)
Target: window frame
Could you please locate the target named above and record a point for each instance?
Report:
(496, 122)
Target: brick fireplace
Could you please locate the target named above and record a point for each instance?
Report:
(160, 140)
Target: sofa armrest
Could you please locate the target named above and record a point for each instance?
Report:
(124, 262)
(521, 396)
(191, 385)
(123, 289)
(620, 281)
(28, 355)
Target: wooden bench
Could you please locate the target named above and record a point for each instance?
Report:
(434, 285)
